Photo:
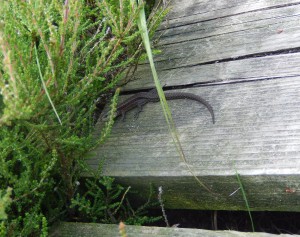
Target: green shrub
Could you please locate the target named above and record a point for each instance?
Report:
(56, 59)
(107, 202)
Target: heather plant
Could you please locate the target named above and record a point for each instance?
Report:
(56, 59)
(107, 202)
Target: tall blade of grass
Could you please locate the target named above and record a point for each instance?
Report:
(44, 85)
(245, 199)
(167, 113)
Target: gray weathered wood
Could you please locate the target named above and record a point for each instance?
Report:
(246, 41)
(192, 53)
(257, 132)
(226, 46)
(250, 69)
(102, 230)
(199, 28)
(184, 11)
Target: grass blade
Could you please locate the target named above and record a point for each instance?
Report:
(167, 113)
(245, 199)
(44, 85)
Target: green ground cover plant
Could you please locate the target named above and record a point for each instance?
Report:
(56, 59)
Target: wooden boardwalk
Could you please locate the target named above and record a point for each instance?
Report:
(243, 56)
(109, 230)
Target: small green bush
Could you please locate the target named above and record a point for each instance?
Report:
(56, 58)
(107, 202)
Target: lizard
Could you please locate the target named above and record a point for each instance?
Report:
(140, 99)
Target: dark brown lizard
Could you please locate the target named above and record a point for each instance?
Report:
(140, 99)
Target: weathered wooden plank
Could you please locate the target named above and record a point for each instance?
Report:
(257, 133)
(257, 130)
(256, 68)
(202, 51)
(93, 229)
(188, 47)
(184, 11)
(270, 18)
(265, 38)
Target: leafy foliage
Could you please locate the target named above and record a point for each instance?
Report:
(56, 58)
(106, 202)
(4, 202)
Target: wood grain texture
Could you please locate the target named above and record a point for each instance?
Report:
(249, 69)
(252, 123)
(184, 11)
(108, 230)
(243, 58)
(218, 49)
(257, 133)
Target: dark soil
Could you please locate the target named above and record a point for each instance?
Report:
(270, 222)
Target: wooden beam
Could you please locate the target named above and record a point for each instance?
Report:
(241, 56)
(257, 133)
(66, 229)
(205, 51)
(186, 11)
(249, 69)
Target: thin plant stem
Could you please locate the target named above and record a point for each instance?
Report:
(245, 199)
(167, 113)
(44, 85)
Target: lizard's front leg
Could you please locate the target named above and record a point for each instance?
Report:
(140, 105)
